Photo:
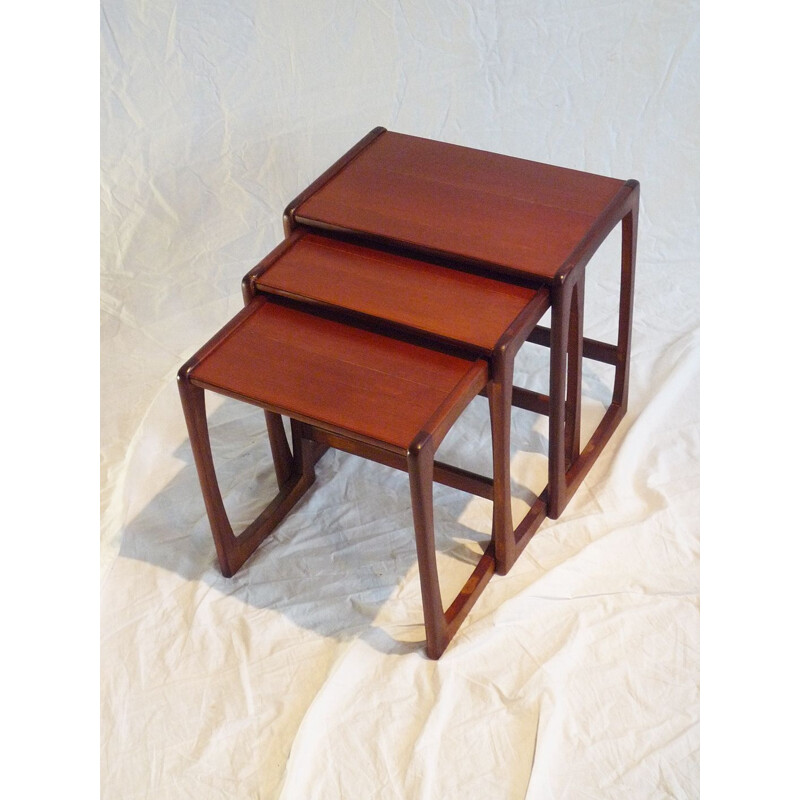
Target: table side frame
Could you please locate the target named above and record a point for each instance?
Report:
(568, 464)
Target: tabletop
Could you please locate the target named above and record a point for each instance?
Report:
(334, 375)
(451, 305)
(523, 217)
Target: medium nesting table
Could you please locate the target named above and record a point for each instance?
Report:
(462, 312)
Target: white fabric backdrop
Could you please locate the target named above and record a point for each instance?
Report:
(575, 676)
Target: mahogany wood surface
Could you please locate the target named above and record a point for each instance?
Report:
(336, 375)
(469, 314)
(516, 219)
(449, 304)
(522, 216)
(343, 386)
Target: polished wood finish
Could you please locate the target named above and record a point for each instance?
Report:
(333, 375)
(335, 168)
(524, 221)
(566, 466)
(520, 216)
(232, 550)
(448, 304)
(342, 386)
(412, 273)
(478, 315)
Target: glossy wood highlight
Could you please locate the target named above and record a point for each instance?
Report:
(521, 216)
(348, 379)
(446, 303)
(412, 273)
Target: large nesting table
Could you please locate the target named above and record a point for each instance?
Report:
(530, 223)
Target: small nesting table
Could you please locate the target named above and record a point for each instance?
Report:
(382, 398)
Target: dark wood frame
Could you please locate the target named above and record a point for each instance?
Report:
(568, 464)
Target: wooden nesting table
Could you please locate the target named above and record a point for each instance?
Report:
(522, 221)
(384, 399)
(411, 275)
(464, 313)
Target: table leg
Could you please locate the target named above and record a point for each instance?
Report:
(630, 224)
(232, 550)
(566, 362)
(559, 335)
(499, 395)
(574, 372)
(281, 454)
(420, 477)
(568, 464)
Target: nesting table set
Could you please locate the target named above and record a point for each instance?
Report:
(411, 274)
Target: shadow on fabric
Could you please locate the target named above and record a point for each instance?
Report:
(345, 551)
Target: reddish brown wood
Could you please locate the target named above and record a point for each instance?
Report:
(521, 216)
(465, 599)
(281, 454)
(557, 461)
(619, 355)
(592, 349)
(439, 631)
(384, 390)
(420, 476)
(389, 399)
(486, 316)
(380, 398)
(499, 395)
(449, 304)
(288, 216)
(630, 223)
(574, 372)
(531, 401)
(233, 551)
(522, 219)
(457, 478)
(566, 473)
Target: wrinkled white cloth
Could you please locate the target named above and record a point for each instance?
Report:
(303, 676)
